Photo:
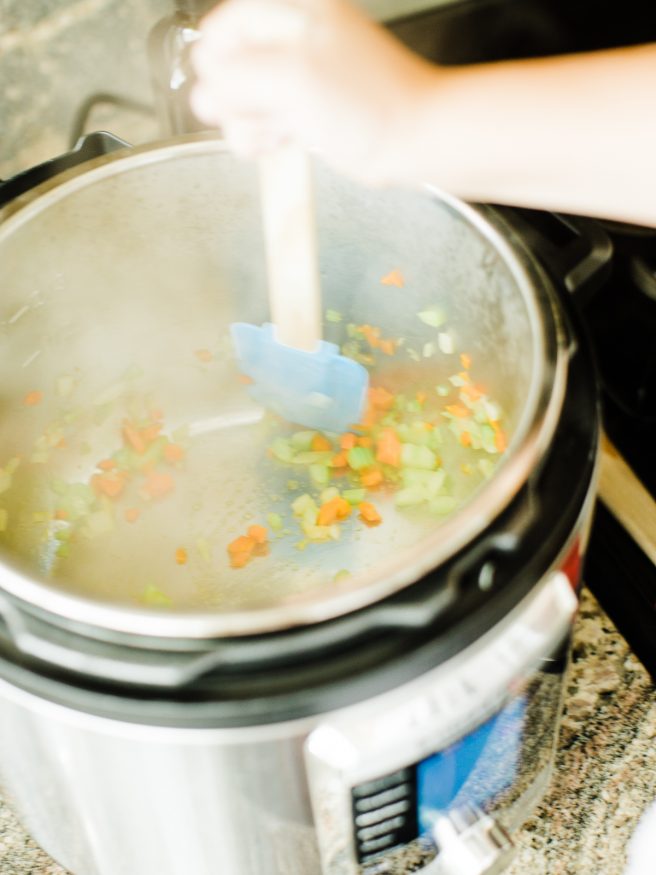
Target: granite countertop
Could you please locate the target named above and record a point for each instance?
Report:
(605, 774)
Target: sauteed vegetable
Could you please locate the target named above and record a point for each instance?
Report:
(421, 449)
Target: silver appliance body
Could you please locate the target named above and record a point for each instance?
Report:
(118, 762)
(105, 797)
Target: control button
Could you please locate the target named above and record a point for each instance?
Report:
(471, 842)
(384, 813)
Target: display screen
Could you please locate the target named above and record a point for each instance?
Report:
(395, 810)
(473, 770)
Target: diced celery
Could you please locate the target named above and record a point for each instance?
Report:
(410, 496)
(429, 350)
(487, 439)
(413, 456)
(360, 457)
(486, 467)
(154, 597)
(319, 474)
(429, 482)
(282, 450)
(442, 391)
(274, 521)
(313, 458)
(302, 440)
(433, 316)
(343, 574)
(445, 343)
(414, 355)
(442, 504)
(353, 331)
(63, 550)
(329, 494)
(154, 452)
(354, 496)
(333, 316)
(292, 485)
(302, 503)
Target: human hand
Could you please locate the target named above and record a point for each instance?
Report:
(317, 73)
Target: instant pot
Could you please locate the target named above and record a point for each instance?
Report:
(399, 718)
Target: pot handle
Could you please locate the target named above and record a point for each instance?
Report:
(87, 147)
(35, 641)
(576, 251)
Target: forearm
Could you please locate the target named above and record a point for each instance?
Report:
(570, 133)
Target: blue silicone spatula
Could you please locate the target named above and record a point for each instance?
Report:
(295, 373)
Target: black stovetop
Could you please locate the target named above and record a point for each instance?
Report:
(621, 321)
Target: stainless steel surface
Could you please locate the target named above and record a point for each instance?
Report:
(349, 748)
(143, 259)
(104, 797)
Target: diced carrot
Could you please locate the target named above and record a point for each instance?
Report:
(181, 556)
(387, 346)
(33, 398)
(464, 376)
(107, 464)
(320, 444)
(388, 450)
(258, 533)
(335, 509)
(458, 410)
(393, 278)
(245, 379)
(203, 355)
(238, 560)
(132, 514)
(242, 544)
(465, 439)
(61, 444)
(173, 452)
(499, 437)
(380, 398)
(369, 513)
(158, 484)
(421, 398)
(156, 414)
(348, 441)
(151, 432)
(471, 392)
(109, 485)
(371, 477)
(61, 514)
(132, 436)
(365, 441)
(465, 360)
(338, 461)
(371, 334)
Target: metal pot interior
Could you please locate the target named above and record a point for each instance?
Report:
(119, 282)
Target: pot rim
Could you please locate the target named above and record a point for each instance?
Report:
(528, 445)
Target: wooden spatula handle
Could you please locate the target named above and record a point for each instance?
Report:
(291, 247)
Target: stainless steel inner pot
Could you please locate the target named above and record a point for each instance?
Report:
(119, 277)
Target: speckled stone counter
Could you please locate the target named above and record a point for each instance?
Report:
(604, 778)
